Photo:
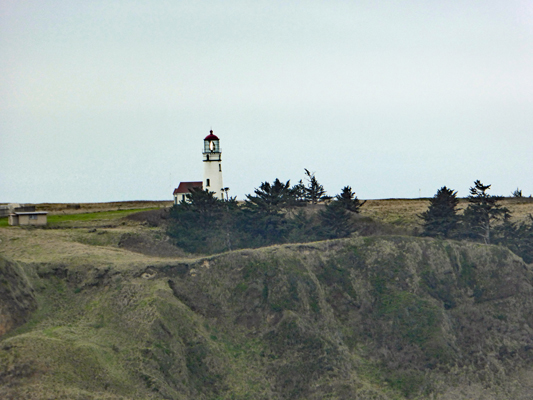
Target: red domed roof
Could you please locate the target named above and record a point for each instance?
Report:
(211, 136)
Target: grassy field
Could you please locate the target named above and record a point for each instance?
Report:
(59, 219)
(403, 212)
(77, 238)
(74, 218)
(406, 211)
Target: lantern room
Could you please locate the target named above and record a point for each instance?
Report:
(211, 143)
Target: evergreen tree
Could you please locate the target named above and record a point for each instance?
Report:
(336, 218)
(348, 200)
(270, 198)
(314, 191)
(482, 211)
(298, 194)
(302, 227)
(441, 218)
(263, 213)
(335, 221)
(203, 223)
(202, 202)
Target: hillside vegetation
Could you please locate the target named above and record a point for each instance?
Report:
(93, 310)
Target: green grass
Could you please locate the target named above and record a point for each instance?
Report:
(60, 219)
(85, 217)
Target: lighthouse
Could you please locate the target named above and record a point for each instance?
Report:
(212, 158)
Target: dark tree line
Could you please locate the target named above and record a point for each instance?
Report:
(484, 219)
(275, 213)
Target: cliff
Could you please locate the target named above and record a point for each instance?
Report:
(361, 318)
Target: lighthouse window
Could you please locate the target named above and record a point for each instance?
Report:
(220, 167)
(207, 182)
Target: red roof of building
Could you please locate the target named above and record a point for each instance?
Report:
(211, 136)
(185, 186)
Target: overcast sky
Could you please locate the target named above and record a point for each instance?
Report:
(110, 100)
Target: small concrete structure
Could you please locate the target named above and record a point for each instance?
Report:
(181, 192)
(28, 218)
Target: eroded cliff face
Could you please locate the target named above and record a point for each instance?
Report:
(16, 296)
(363, 318)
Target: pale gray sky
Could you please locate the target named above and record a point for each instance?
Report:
(110, 100)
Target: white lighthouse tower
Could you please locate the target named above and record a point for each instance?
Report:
(212, 156)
